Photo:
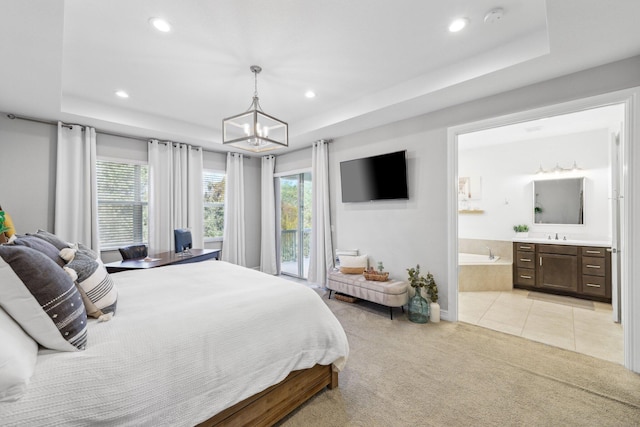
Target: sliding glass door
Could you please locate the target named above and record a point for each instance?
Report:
(295, 224)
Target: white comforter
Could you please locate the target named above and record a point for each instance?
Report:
(187, 341)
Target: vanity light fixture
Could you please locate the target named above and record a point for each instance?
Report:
(254, 130)
(458, 24)
(558, 169)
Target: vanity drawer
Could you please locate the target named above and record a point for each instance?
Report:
(593, 266)
(594, 285)
(525, 247)
(525, 259)
(593, 252)
(526, 276)
(558, 249)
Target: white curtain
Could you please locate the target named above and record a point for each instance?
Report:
(175, 194)
(321, 253)
(233, 246)
(76, 205)
(268, 259)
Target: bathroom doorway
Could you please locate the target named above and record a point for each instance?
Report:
(501, 162)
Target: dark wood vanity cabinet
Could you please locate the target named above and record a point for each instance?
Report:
(579, 271)
(557, 267)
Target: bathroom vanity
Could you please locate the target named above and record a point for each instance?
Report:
(581, 271)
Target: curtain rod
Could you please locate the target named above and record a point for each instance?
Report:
(138, 138)
(103, 132)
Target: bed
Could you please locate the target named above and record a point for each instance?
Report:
(208, 342)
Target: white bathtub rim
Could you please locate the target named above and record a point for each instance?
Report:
(480, 259)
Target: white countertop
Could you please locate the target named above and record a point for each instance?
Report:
(575, 242)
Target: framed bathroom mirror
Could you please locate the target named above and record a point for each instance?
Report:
(558, 201)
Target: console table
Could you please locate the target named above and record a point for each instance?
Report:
(162, 259)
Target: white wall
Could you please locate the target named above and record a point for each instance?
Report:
(508, 170)
(27, 173)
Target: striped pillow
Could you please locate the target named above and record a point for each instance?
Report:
(42, 299)
(99, 295)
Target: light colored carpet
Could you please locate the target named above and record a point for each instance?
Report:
(455, 374)
(559, 299)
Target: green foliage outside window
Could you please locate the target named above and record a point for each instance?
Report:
(290, 215)
(213, 185)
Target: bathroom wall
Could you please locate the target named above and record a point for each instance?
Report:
(506, 173)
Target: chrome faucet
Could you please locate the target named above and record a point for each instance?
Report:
(557, 236)
(490, 253)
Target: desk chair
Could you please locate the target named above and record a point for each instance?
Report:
(133, 252)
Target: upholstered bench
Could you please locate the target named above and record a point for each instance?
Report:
(392, 293)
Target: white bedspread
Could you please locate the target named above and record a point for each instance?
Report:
(187, 341)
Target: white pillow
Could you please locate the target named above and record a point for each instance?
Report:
(18, 354)
(353, 264)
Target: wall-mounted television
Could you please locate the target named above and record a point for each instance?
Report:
(379, 177)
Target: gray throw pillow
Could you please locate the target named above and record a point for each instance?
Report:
(40, 245)
(42, 299)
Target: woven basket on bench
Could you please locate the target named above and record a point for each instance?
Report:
(376, 276)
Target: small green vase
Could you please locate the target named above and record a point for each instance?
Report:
(418, 308)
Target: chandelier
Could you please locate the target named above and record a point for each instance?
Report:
(254, 130)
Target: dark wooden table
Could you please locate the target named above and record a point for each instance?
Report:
(162, 259)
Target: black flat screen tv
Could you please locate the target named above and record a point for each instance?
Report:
(379, 177)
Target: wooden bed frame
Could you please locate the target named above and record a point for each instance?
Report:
(271, 405)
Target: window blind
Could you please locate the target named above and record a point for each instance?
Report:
(122, 203)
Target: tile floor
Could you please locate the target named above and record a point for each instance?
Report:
(583, 330)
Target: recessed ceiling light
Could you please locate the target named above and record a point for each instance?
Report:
(458, 24)
(310, 94)
(160, 24)
(122, 94)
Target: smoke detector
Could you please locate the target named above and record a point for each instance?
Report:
(494, 15)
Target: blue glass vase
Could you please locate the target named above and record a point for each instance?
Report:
(418, 308)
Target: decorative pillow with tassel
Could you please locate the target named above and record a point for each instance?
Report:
(93, 281)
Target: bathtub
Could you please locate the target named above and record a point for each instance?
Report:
(475, 259)
(477, 272)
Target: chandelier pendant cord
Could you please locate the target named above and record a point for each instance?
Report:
(255, 103)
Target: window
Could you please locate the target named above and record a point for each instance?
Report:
(213, 185)
(123, 214)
